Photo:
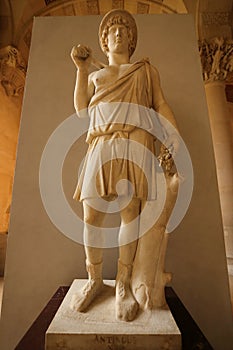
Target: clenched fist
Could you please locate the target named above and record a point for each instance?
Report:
(81, 56)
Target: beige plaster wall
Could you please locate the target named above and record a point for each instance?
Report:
(39, 257)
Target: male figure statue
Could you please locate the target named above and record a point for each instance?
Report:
(104, 92)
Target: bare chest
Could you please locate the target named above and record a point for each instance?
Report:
(108, 75)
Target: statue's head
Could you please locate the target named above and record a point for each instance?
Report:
(121, 17)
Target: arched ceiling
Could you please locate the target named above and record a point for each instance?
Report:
(22, 16)
(211, 17)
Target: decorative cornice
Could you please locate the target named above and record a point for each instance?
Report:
(12, 71)
(216, 18)
(216, 58)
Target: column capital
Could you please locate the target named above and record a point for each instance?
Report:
(12, 71)
(216, 58)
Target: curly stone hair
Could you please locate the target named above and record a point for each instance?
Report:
(132, 34)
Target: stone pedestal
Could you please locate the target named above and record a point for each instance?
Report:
(98, 329)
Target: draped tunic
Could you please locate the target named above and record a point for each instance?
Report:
(121, 136)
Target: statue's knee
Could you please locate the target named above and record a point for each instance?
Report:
(160, 227)
(129, 213)
(93, 218)
(89, 218)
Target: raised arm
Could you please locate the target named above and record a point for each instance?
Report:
(84, 86)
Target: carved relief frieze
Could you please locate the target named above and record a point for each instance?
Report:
(117, 4)
(142, 8)
(12, 71)
(216, 18)
(216, 58)
(93, 7)
(47, 2)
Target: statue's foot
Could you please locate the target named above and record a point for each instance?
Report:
(81, 300)
(126, 305)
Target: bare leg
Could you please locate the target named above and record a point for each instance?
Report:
(126, 305)
(93, 220)
(93, 237)
(129, 233)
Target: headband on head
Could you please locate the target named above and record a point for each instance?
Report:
(127, 19)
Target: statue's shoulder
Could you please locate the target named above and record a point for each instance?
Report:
(146, 61)
(142, 61)
(151, 71)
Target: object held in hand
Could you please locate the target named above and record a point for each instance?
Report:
(82, 52)
(165, 159)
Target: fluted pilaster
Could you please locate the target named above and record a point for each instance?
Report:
(217, 63)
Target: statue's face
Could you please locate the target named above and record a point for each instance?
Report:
(118, 40)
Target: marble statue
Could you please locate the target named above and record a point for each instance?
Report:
(112, 88)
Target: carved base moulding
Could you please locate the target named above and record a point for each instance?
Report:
(98, 329)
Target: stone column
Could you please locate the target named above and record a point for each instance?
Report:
(217, 63)
(12, 79)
